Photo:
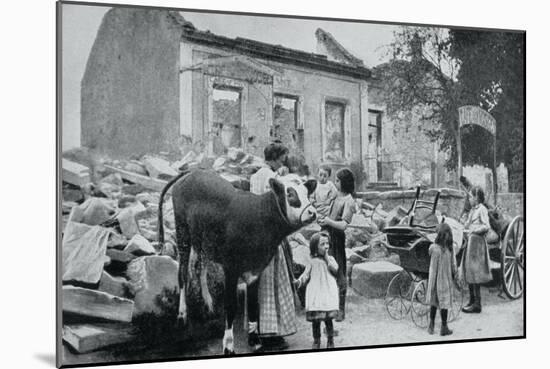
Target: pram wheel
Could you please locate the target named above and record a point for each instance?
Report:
(398, 295)
(420, 309)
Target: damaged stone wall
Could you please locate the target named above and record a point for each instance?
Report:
(264, 121)
(128, 104)
(404, 140)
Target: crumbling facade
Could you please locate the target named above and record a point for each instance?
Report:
(399, 148)
(155, 83)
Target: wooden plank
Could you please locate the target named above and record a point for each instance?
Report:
(147, 182)
(75, 173)
(96, 304)
(85, 338)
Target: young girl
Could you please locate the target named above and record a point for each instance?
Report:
(322, 290)
(335, 224)
(440, 279)
(325, 192)
(475, 258)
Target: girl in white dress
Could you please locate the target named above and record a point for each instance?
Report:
(322, 290)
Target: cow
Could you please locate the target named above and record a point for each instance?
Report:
(239, 230)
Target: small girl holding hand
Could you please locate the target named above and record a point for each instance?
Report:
(322, 290)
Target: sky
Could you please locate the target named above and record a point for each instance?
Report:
(80, 24)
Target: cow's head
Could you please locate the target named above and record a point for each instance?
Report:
(293, 197)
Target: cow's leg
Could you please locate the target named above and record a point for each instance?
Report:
(230, 299)
(253, 314)
(184, 251)
(205, 292)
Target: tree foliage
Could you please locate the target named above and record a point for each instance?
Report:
(439, 70)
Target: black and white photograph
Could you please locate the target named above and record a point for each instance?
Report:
(239, 184)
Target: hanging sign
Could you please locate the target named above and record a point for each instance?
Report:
(470, 114)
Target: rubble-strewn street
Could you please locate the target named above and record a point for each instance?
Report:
(367, 324)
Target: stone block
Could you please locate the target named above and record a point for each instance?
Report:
(96, 304)
(92, 212)
(85, 338)
(146, 198)
(72, 195)
(159, 168)
(128, 225)
(218, 163)
(139, 246)
(126, 200)
(152, 279)
(119, 256)
(74, 173)
(117, 286)
(83, 252)
(371, 279)
(136, 167)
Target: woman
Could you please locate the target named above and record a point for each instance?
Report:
(475, 259)
(272, 313)
(335, 223)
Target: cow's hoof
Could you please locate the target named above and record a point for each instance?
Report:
(228, 352)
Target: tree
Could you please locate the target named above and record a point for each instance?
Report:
(422, 77)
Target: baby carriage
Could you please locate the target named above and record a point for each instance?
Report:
(411, 239)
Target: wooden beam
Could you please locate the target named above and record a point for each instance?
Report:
(147, 182)
(96, 304)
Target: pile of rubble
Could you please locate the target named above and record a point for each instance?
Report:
(114, 269)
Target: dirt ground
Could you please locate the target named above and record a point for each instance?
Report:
(367, 323)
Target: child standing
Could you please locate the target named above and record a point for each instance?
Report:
(340, 215)
(440, 279)
(322, 290)
(325, 192)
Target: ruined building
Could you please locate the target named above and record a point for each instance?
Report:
(154, 83)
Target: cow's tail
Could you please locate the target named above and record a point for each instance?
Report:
(161, 201)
